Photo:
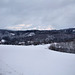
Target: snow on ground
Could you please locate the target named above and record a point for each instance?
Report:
(31, 34)
(35, 60)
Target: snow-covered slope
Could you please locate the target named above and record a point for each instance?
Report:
(35, 60)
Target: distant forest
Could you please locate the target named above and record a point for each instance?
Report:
(36, 37)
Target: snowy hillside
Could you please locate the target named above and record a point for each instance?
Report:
(36, 37)
(35, 60)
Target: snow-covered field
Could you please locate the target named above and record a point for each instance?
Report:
(35, 60)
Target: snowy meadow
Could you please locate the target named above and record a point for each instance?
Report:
(35, 60)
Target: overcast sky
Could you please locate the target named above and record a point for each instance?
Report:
(37, 14)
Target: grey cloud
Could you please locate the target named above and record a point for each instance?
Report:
(58, 13)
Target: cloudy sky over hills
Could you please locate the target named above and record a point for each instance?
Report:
(37, 14)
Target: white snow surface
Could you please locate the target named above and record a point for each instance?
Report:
(2, 40)
(35, 60)
(74, 30)
(31, 34)
(12, 34)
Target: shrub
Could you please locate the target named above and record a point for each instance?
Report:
(68, 47)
